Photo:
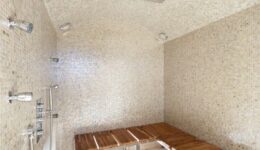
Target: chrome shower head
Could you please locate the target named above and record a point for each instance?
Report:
(22, 25)
(56, 60)
(25, 97)
(65, 27)
(55, 86)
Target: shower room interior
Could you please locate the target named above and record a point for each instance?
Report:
(129, 74)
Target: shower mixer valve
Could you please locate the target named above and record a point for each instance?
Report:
(39, 119)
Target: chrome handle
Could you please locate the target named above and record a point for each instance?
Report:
(55, 115)
(30, 133)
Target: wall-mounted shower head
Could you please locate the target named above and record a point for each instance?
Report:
(22, 25)
(55, 86)
(24, 97)
(56, 60)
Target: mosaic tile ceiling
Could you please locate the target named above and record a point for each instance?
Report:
(174, 17)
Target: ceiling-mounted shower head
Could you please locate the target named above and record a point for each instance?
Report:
(163, 37)
(65, 27)
(21, 24)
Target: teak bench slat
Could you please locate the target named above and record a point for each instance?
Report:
(141, 135)
(123, 137)
(85, 141)
(173, 137)
(105, 140)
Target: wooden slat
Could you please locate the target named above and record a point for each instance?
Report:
(151, 130)
(123, 136)
(151, 137)
(189, 145)
(161, 130)
(174, 141)
(105, 140)
(139, 134)
(77, 143)
(173, 137)
(197, 145)
(85, 142)
(205, 146)
(90, 142)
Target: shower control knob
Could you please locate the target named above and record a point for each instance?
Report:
(55, 115)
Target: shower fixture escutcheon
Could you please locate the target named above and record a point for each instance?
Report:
(23, 97)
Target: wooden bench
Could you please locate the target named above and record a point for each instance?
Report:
(168, 136)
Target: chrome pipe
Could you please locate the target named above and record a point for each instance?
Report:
(51, 112)
(51, 120)
(31, 137)
(30, 134)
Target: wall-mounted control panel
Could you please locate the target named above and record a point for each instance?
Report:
(39, 119)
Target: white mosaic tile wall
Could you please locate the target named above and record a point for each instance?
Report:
(212, 86)
(109, 78)
(111, 75)
(24, 67)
